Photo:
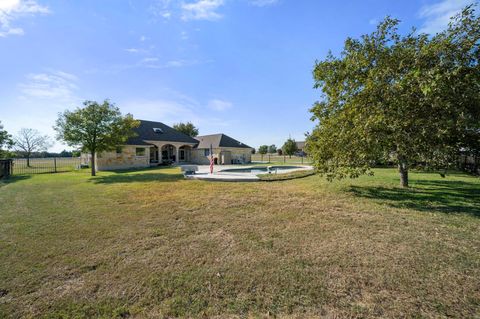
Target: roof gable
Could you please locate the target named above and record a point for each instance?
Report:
(219, 140)
(157, 131)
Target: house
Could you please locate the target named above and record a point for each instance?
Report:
(226, 150)
(156, 143)
(301, 151)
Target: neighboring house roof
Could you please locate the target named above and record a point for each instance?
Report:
(219, 140)
(300, 145)
(146, 132)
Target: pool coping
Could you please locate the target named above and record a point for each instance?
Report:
(222, 176)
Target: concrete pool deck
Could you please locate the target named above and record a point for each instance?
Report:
(203, 173)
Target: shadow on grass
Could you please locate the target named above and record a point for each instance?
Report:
(428, 195)
(13, 179)
(133, 176)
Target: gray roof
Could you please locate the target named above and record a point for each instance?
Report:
(145, 132)
(219, 140)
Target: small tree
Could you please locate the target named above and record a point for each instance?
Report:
(95, 128)
(186, 128)
(272, 149)
(5, 142)
(263, 149)
(290, 147)
(29, 140)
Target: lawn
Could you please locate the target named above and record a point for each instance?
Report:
(149, 244)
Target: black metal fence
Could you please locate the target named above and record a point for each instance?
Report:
(45, 165)
(274, 158)
(6, 168)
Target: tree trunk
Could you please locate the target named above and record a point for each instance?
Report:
(403, 170)
(92, 161)
(28, 160)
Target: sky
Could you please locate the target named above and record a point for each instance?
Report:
(239, 67)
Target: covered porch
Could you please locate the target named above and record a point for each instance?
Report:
(170, 153)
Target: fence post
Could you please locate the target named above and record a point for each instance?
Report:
(284, 159)
(269, 158)
(55, 164)
(302, 160)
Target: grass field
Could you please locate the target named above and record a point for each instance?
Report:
(149, 244)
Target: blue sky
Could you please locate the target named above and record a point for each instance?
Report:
(241, 67)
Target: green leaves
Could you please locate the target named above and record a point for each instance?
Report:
(95, 127)
(186, 128)
(390, 96)
(5, 141)
(290, 147)
(263, 149)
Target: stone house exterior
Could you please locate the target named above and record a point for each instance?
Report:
(156, 143)
(301, 151)
(226, 150)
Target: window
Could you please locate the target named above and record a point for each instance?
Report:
(118, 150)
(206, 152)
(140, 151)
(157, 130)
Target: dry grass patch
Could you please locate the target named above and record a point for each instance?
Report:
(150, 244)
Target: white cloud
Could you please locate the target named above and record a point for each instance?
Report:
(55, 85)
(263, 3)
(202, 10)
(155, 63)
(219, 105)
(161, 8)
(11, 10)
(134, 50)
(437, 16)
(149, 63)
(143, 38)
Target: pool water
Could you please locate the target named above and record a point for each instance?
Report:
(260, 169)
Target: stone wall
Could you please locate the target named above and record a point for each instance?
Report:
(126, 159)
(237, 155)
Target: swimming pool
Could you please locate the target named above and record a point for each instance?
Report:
(243, 173)
(261, 169)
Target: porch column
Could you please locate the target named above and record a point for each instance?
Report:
(177, 157)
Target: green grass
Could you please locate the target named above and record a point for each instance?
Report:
(285, 176)
(149, 244)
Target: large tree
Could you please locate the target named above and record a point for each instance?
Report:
(412, 99)
(6, 141)
(29, 140)
(289, 147)
(186, 128)
(95, 128)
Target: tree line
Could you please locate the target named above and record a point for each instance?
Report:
(289, 148)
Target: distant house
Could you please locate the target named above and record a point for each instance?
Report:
(156, 143)
(301, 151)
